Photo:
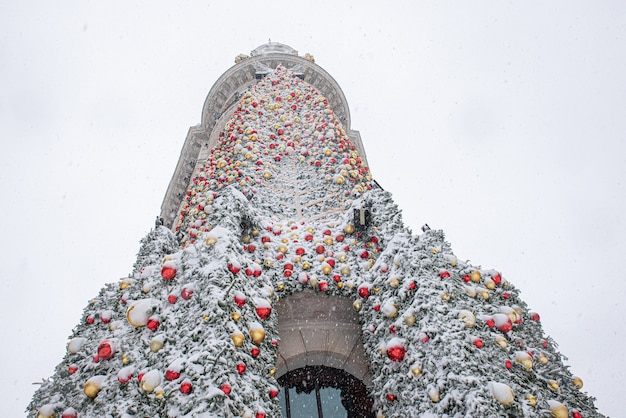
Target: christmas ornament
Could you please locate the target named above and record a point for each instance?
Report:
(153, 323)
(151, 380)
(349, 229)
(531, 399)
(416, 370)
(475, 276)
(576, 414)
(501, 341)
(554, 385)
(257, 333)
(168, 270)
(47, 411)
(241, 368)
(273, 391)
(138, 313)
(410, 320)
(186, 387)
(93, 386)
(75, 344)
(444, 274)
(523, 358)
(543, 359)
(107, 349)
(68, 413)
(557, 409)
(577, 382)
(389, 309)
(478, 343)
(186, 292)
(125, 374)
(357, 305)
(72, 368)
(501, 392)
(396, 349)
(240, 298)
(467, 318)
(263, 308)
(237, 338)
(235, 316)
(390, 397)
(433, 394)
(502, 322)
(255, 351)
(157, 343)
(226, 387)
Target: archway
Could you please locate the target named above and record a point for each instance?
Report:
(321, 354)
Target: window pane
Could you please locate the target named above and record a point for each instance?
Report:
(303, 405)
(331, 403)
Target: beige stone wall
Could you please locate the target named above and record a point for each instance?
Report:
(320, 330)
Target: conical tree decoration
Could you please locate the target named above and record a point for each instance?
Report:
(285, 204)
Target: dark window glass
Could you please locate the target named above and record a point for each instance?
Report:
(317, 392)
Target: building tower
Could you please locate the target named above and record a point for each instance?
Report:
(280, 280)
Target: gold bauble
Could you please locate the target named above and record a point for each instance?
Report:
(310, 229)
(434, 395)
(468, 318)
(490, 284)
(255, 232)
(327, 269)
(357, 305)
(267, 174)
(558, 410)
(272, 372)
(297, 259)
(159, 392)
(345, 271)
(257, 335)
(526, 362)
(210, 240)
(554, 385)
(501, 341)
(470, 291)
(543, 359)
(156, 345)
(410, 320)
(236, 316)
(46, 412)
(125, 359)
(342, 257)
(340, 285)
(245, 239)
(416, 371)
(349, 229)
(532, 401)
(485, 294)
(445, 296)
(91, 389)
(124, 284)
(268, 262)
(394, 282)
(328, 241)
(238, 339)
(475, 276)
(578, 382)
(282, 249)
(306, 265)
(313, 282)
(280, 286)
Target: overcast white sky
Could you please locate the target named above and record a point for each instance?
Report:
(502, 123)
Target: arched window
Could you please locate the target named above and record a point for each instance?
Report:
(319, 391)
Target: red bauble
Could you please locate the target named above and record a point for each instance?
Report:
(320, 249)
(259, 414)
(186, 293)
(273, 392)
(424, 337)
(392, 328)
(396, 353)
(299, 251)
(153, 323)
(508, 364)
(287, 273)
(505, 295)
(576, 414)
(308, 237)
(323, 285)
(72, 369)
(337, 278)
(251, 249)
(490, 323)
(172, 298)
(466, 278)
(263, 312)
(69, 413)
(234, 268)
(172, 374)
(226, 389)
(364, 292)
(288, 266)
(444, 274)
(90, 319)
(412, 285)
(168, 272)
(377, 307)
(339, 238)
(365, 254)
(255, 352)
(186, 387)
(241, 368)
(534, 316)
(105, 350)
(240, 299)
(391, 397)
(478, 343)
(265, 239)
(497, 278)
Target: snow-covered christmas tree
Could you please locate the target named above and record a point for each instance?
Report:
(282, 204)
